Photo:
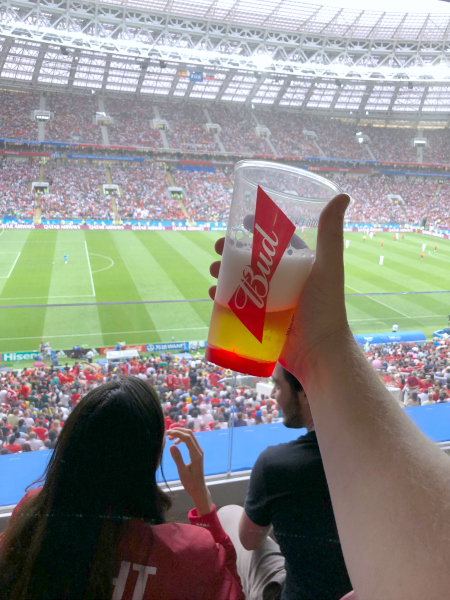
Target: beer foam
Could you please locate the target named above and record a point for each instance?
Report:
(285, 286)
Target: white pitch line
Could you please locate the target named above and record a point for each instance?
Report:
(434, 255)
(90, 270)
(107, 258)
(379, 302)
(2, 232)
(40, 297)
(11, 270)
(14, 264)
(38, 241)
(70, 335)
(382, 319)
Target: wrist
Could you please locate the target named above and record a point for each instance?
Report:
(203, 502)
(310, 367)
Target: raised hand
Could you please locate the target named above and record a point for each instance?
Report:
(191, 475)
(320, 312)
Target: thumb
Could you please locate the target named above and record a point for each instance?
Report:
(330, 240)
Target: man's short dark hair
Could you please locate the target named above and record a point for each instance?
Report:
(12, 439)
(294, 383)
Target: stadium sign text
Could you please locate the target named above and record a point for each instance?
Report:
(184, 346)
(13, 356)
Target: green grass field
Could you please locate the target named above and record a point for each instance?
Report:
(107, 266)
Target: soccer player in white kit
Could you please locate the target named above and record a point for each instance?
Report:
(381, 261)
(371, 234)
(347, 243)
(423, 247)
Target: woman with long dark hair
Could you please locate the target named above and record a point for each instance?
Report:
(95, 530)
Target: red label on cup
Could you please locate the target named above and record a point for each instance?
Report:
(271, 236)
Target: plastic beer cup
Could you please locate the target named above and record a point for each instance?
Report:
(268, 254)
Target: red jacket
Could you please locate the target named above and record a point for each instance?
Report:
(196, 561)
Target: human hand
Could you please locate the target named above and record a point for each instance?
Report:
(191, 475)
(320, 314)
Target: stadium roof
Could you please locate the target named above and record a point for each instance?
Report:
(313, 57)
(308, 17)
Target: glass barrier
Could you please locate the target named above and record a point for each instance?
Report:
(232, 431)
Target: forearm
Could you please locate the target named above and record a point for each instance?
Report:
(390, 486)
(202, 501)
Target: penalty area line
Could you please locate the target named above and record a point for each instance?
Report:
(90, 270)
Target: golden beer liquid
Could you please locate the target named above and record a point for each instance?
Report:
(231, 345)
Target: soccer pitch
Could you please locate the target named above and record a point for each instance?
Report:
(112, 266)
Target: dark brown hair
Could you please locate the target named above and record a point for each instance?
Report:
(63, 543)
(294, 383)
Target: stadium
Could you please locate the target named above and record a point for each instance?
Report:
(121, 124)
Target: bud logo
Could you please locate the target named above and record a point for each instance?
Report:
(271, 236)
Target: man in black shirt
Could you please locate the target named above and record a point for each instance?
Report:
(288, 491)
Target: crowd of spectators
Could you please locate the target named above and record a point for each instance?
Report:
(287, 134)
(145, 194)
(72, 119)
(187, 128)
(380, 199)
(238, 130)
(133, 123)
(15, 109)
(75, 192)
(35, 402)
(422, 373)
(335, 138)
(370, 203)
(208, 194)
(16, 199)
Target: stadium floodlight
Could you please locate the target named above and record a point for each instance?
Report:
(262, 61)
(362, 138)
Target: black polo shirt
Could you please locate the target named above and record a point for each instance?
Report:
(288, 489)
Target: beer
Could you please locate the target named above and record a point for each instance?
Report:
(265, 263)
(230, 343)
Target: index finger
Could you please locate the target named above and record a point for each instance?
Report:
(187, 436)
(219, 245)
